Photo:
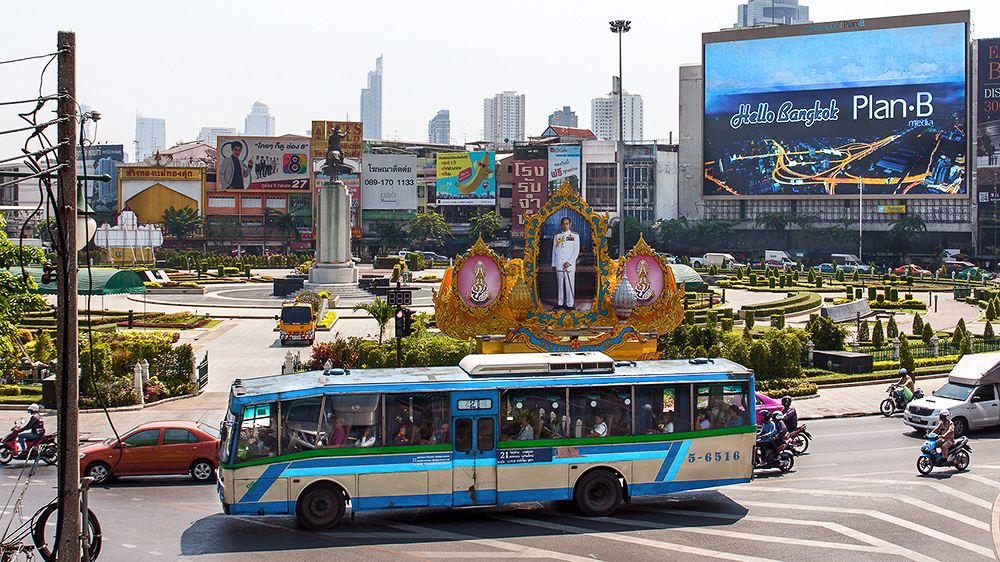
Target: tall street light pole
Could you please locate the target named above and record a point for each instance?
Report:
(620, 27)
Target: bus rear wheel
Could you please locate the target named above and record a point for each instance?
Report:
(598, 493)
(320, 507)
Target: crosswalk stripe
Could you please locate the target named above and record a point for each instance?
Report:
(935, 485)
(981, 479)
(523, 550)
(944, 537)
(661, 545)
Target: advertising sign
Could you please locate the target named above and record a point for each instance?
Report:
(350, 143)
(353, 184)
(263, 163)
(466, 178)
(390, 181)
(564, 164)
(866, 102)
(988, 108)
(102, 159)
(529, 193)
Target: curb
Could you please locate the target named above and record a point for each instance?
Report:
(844, 415)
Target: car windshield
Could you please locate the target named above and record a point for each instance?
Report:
(296, 315)
(954, 391)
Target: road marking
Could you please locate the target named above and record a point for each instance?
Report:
(661, 545)
(127, 545)
(935, 485)
(944, 537)
(995, 520)
(981, 479)
(502, 545)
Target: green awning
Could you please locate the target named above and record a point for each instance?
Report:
(103, 281)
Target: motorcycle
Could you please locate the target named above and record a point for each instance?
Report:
(897, 400)
(959, 456)
(781, 459)
(41, 446)
(798, 439)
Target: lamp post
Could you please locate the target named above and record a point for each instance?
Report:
(619, 27)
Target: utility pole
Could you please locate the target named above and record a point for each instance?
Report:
(67, 396)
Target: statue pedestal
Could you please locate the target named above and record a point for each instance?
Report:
(332, 273)
(333, 237)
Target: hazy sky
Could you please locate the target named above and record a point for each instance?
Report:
(205, 63)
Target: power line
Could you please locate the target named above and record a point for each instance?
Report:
(22, 59)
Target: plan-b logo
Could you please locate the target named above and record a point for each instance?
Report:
(873, 108)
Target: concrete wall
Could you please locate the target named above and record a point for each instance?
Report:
(690, 162)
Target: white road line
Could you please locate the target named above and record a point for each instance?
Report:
(937, 510)
(940, 487)
(944, 537)
(520, 549)
(886, 547)
(439, 555)
(981, 479)
(661, 545)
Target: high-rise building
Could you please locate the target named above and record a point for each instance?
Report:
(503, 119)
(259, 122)
(771, 12)
(564, 117)
(150, 136)
(604, 119)
(371, 103)
(439, 128)
(210, 135)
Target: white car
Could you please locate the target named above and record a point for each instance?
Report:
(972, 397)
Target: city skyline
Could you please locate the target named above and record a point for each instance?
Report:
(662, 38)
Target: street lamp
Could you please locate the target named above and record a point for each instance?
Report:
(619, 27)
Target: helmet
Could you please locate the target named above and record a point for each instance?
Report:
(766, 415)
(786, 401)
(945, 414)
(33, 408)
(902, 371)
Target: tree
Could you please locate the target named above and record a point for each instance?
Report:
(224, 230)
(864, 333)
(965, 346)
(988, 332)
(15, 297)
(381, 311)
(825, 333)
(906, 360)
(918, 325)
(390, 234)
(892, 330)
(960, 330)
(710, 232)
(428, 227)
(898, 237)
(633, 229)
(485, 224)
(181, 222)
(878, 334)
(286, 224)
(775, 221)
(668, 232)
(927, 333)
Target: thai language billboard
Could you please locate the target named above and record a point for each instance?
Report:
(988, 105)
(821, 109)
(529, 193)
(466, 178)
(263, 163)
(564, 164)
(390, 181)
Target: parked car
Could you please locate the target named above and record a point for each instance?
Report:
(432, 257)
(973, 273)
(916, 269)
(956, 266)
(669, 257)
(825, 268)
(766, 403)
(161, 447)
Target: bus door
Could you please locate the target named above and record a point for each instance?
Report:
(474, 427)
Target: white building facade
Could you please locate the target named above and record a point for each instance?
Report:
(503, 119)
(259, 123)
(150, 136)
(371, 103)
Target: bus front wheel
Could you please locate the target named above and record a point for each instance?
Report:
(320, 507)
(598, 493)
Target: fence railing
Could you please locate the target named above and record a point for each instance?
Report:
(203, 373)
(887, 351)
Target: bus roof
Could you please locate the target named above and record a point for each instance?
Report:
(277, 387)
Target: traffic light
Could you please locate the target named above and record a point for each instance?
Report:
(400, 327)
(408, 321)
(48, 273)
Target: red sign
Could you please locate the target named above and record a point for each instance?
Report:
(530, 193)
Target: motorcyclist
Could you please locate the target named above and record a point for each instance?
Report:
(789, 416)
(945, 431)
(905, 385)
(779, 423)
(768, 433)
(33, 429)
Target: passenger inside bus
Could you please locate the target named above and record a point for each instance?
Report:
(367, 438)
(401, 436)
(443, 434)
(667, 426)
(600, 427)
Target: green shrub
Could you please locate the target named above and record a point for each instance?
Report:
(906, 356)
(965, 346)
(753, 279)
(739, 273)
(387, 262)
(878, 334)
(855, 276)
(770, 282)
(927, 332)
(864, 333)
(415, 261)
(891, 330)
(819, 281)
(10, 390)
(689, 317)
(872, 293)
(825, 333)
(727, 324)
(749, 319)
(960, 330)
(812, 276)
(988, 331)
(777, 388)
(918, 325)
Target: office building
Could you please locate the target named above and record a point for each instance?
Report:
(150, 136)
(564, 117)
(503, 119)
(771, 12)
(371, 103)
(604, 119)
(210, 135)
(259, 123)
(439, 128)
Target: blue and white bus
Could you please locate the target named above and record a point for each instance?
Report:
(496, 429)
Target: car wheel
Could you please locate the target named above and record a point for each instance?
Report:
(320, 507)
(924, 465)
(202, 470)
(100, 472)
(598, 493)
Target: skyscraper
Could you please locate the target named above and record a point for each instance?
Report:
(259, 122)
(439, 128)
(150, 136)
(771, 12)
(371, 103)
(503, 119)
(604, 119)
(564, 117)
(210, 135)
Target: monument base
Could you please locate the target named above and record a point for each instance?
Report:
(333, 273)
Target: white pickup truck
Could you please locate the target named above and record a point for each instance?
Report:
(972, 396)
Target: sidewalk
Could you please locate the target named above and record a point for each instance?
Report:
(856, 400)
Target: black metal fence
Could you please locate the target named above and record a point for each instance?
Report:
(203, 373)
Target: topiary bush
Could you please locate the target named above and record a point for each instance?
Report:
(927, 333)
(918, 325)
(878, 334)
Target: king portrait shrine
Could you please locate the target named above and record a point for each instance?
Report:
(566, 294)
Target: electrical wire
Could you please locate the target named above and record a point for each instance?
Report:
(22, 59)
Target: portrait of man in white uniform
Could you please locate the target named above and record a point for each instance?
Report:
(565, 251)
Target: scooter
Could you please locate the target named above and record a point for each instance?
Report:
(897, 400)
(781, 459)
(42, 446)
(798, 439)
(959, 456)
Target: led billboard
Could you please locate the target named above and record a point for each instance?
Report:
(988, 104)
(821, 109)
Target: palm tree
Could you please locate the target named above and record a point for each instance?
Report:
(284, 223)
(429, 227)
(180, 222)
(381, 311)
(485, 224)
(710, 232)
(897, 239)
(390, 234)
(224, 229)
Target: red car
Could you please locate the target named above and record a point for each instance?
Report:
(917, 270)
(162, 447)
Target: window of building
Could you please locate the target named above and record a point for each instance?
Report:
(222, 201)
(276, 202)
(251, 202)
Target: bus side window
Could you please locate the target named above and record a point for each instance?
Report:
(258, 438)
(413, 419)
(463, 435)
